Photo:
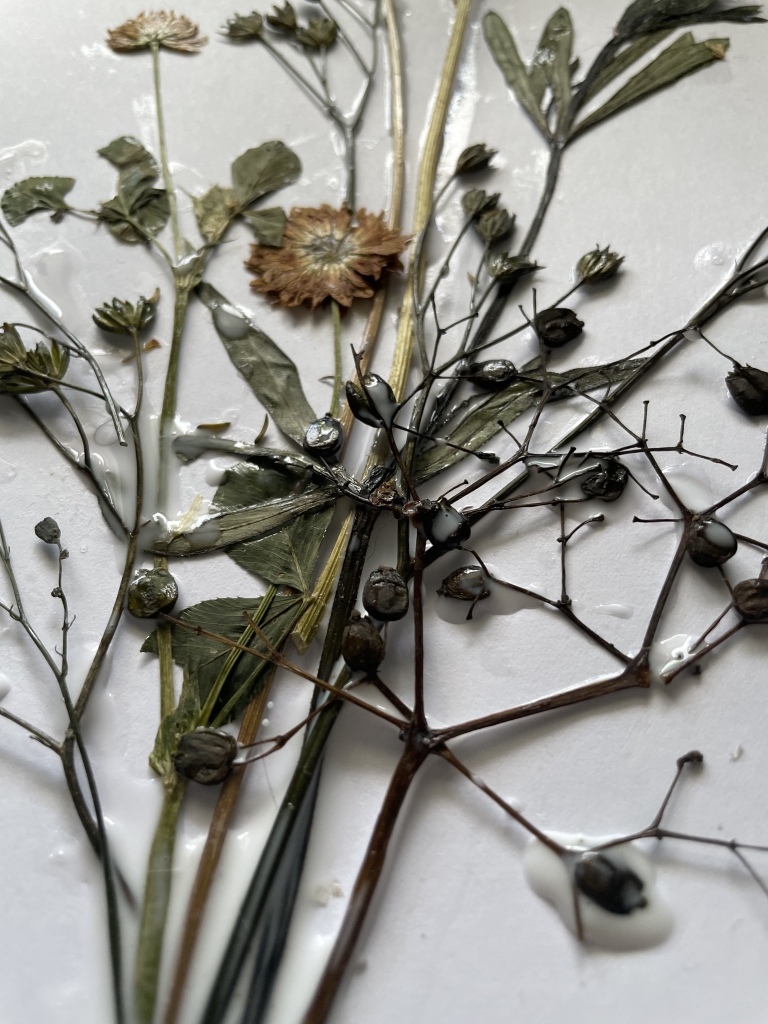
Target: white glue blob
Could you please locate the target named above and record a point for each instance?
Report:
(230, 322)
(666, 655)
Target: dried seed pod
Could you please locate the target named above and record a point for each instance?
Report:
(503, 267)
(362, 646)
(749, 389)
(466, 584)
(380, 407)
(324, 436)
(152, 591)
(445, 526)
(474, 158)
(477, 200)
(711, 542)
(385, 594)
(493, 225)
(750, 598)
(48, 531)
(319, 33)
(598, 265)
(556, 327)
(491, 375)
(614, 887)
(205, 756)
(245, 26)
(607, 481)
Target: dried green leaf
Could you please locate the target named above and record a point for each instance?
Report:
(263, 169)
(681, 58)
(214, 211)
(268, 225)
(625, 59)
(125, 151)
(551, 64)
(271, 375)
(502, 46)
(24, 197)
(644, 16)
(21, 370)
(139, 210)
(182, 719)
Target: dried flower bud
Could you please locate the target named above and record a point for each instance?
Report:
(385, 595)
(711, 543)
(749, 389)
(503, 267)
(606, 482)
(474, 158)
(477, 200)
(750, 598)
(380, 407)
(150, 592)
(121, 317)
(692, 757)
(23, 372)
(245, 26)
(48, 531)
(598, 265)
(444, 525)
(491, 375)
(556, 327)
(362, 646)
(324, 437)
(320, 32)
(284, 18)
(493, 225)
(614, 887)
(466, 584)
(205, 756)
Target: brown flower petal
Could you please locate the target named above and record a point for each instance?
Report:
(174, 32)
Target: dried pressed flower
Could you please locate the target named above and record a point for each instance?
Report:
(477, 201)
(474, 158)
(245, 26)
(48, 531)
(598, 265)
(122, 317)
(319, 32)
(21, 371)
(493, 225)
(503, 267)
(325, 256)
(284, 18)
(160, 28)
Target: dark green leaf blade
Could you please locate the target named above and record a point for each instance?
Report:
(504, 51)
(625, 59)
(127, 150)
(268, 225)
(271, 375)
(681, 58)
(644, 16)
(263, 169)
(286, 558)
(214, 212)
(551, 64)
(24, 197)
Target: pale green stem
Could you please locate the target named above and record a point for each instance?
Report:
(168, 411)
(336, 400)
(155, 48)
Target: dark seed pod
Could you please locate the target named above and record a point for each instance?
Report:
(385, 595)
(152, 591)
(750, 598)
(749, 389)
(612, 886)
(711, 543)
(445, 526)
(491, 375)
(205, 756)
(381, 405)
(607, 481)
(48, 531)
(466, 584)
(324, 436)
(362, 646)
(556, 327)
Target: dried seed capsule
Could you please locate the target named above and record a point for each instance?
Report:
(598, 265)
(385, 594)
(607, 481)
(711, 543)
(445, 526)
(324, 436)
(751, 600)
(477, 200)
(205, 756)
(466, 584)
(362, 646)
(749, 389)
(381, 405)
(152, 591)
(503, 267)
(556, 327)
(48, 531)
(474, 158)
(491, 375)
(493, 225)
(614, 887)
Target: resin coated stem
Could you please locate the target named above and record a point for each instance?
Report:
(167, 179)
(168, 411)
(336, 399)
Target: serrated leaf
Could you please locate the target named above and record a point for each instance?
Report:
(263, 169)
(269, 372)
(681, 58)
(214, 211)
(481, 423)
(625, 59)
(504, 51)
(24, 197)
(125, 151)
(551, 64)
(268, 225)
(205, 657)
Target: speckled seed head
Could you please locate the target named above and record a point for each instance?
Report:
(750, 598)
(324, 437)
(385, 595)
(556, 327)
(711, 543)
(749, 389)
(205, 756)
(445, 526)
(611, 885)
(606, 482)
(152, 591)
(492, 375)
(362, 646)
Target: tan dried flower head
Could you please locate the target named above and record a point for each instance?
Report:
(325, 256)
(174, 32)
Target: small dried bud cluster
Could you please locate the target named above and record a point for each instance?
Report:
(503, 267)
(478, 201)
(122, 317)
(23, 372)
(493, 225)
(245, 26)
(48, 531)
(317, 34)
(556, 327)
(598, 265)
(474, 158)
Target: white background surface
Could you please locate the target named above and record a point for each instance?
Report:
(678, 185)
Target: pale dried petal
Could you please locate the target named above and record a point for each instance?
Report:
(174, 32)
